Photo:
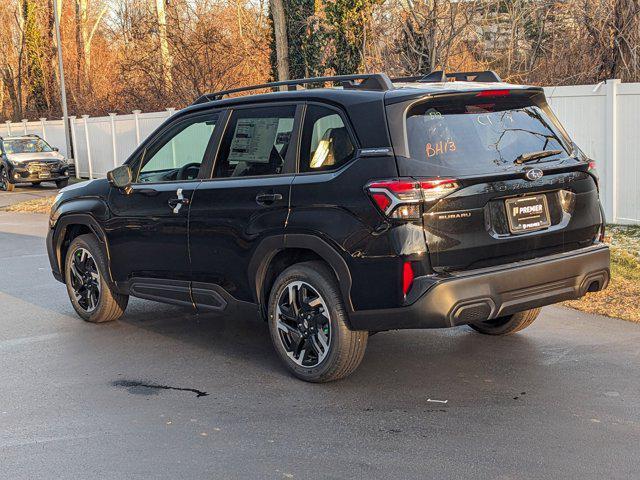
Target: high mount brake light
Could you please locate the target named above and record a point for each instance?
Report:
(493, 93)
(401, 199)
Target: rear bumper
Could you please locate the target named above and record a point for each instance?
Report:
(484, 294)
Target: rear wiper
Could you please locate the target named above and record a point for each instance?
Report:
(530, 157)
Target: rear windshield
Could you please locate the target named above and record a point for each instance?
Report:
(467, 137)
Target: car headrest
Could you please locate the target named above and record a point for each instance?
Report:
(340, 144)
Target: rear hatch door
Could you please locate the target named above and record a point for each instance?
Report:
(522, 188)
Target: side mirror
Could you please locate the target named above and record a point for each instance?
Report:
(120, 177)
(55, 149)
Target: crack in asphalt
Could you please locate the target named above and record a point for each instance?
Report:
(137, 387)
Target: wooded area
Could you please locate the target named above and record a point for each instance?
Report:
(121, 55)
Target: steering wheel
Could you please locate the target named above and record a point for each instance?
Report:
(182, 172)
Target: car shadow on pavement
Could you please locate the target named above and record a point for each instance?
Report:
(240, 335)
(456, 357)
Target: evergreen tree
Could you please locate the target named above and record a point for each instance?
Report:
(348, 21)
(36, 82)
(303, 37)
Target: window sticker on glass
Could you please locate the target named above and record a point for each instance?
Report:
(253, 140)
(439, 148)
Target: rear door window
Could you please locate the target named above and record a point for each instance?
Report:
(256, 142)
(474, 136)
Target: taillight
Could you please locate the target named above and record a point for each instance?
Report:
(435, 189)
(398, 198)
(381, 200)
(401, 199)
(493, 93)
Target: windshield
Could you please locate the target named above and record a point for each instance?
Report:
(470, 137)
(26, 145)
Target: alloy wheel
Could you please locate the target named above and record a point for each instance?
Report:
(3, 179)
(85, 280)
(304, 325)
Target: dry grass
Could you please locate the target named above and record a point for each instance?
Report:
(622, 298)
(37, 205)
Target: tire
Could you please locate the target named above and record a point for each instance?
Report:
(507, 325)
(344, 348)
(5, 184)
(109, 305)
(62, 183)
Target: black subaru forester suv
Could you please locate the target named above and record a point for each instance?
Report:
(369, 205)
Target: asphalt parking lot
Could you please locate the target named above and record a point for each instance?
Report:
(163, 393)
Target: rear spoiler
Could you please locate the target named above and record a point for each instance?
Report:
(410, 94)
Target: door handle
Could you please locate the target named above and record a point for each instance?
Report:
(267, 198)
(178, 202)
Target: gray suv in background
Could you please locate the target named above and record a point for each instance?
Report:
(30, 159)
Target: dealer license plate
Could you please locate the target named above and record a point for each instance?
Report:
(527, 214)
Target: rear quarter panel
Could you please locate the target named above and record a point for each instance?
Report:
(336, 208)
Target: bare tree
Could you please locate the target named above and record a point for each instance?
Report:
(280, 33)
(84, 38)
(12, 51)
(165, 55)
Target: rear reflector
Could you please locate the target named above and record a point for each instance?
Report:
(407, 277)
(493, 93)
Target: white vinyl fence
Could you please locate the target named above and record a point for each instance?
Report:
(98, 143)
(603, 119)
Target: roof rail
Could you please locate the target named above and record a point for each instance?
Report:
(439, 76)
(368, 81)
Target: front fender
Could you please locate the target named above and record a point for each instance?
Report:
(86, 213)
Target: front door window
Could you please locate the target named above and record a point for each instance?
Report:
(180, 155)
